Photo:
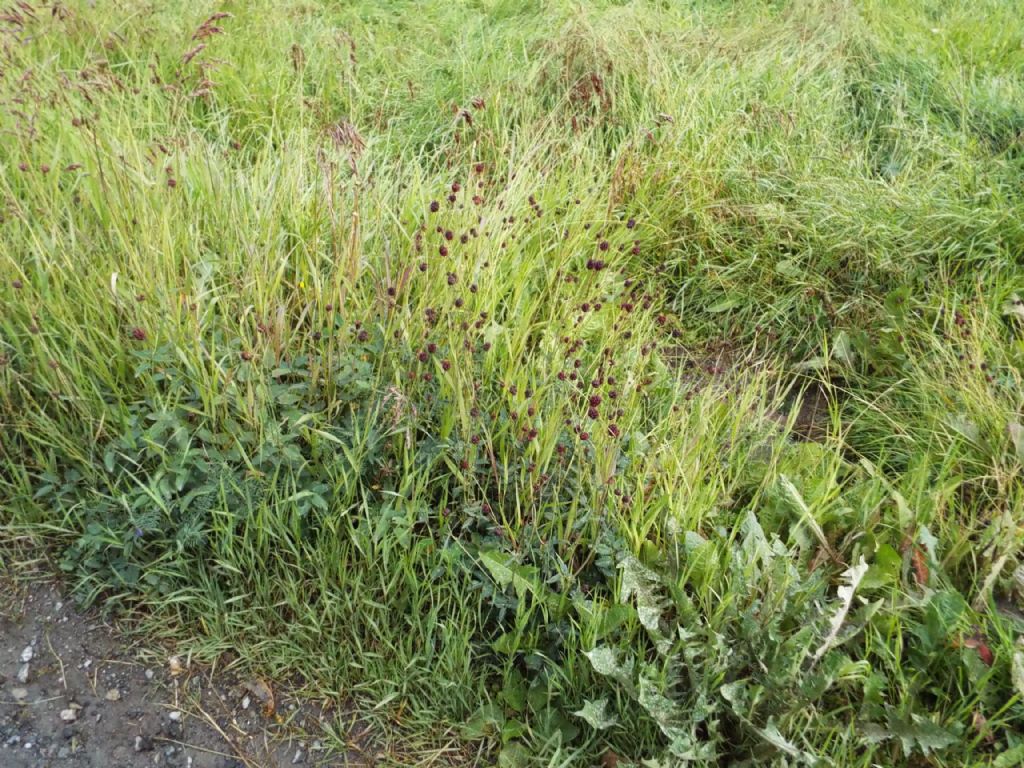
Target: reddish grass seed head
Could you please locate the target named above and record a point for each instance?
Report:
(138, 334)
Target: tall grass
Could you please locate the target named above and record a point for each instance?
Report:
(450, 356)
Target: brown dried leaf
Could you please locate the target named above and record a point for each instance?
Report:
(920, 566)
(978, 643)
(259, 688)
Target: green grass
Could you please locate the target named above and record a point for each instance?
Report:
(244, 391)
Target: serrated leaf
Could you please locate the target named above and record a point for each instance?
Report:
(770, 733)
(853, 576)
(1016, 433)
(1017, 672)
(605, 661)
(962, 424)
(916, 733)
(1014, 307)
(504, 570)
(596, 714)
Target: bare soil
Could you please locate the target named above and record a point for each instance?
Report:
(75, 692)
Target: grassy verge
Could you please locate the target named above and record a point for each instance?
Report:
(450, 356)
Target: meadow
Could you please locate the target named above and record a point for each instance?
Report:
(552, 383)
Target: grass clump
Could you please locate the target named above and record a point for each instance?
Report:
(457, 359)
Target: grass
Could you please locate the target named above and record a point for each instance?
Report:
(449, 358)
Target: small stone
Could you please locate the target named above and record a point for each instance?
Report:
(19, 694)
(174, 715)
(68, 715)
(23, 673)
(58, 606)
(175, 666)
(143, 743)
(113, 695)
(27, 654)
(149, 674)
(29, 745)
(246, 701)
(299, 755)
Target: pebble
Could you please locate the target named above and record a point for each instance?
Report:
(299, 755)
(149, 674)
(19, 694)
(246, 701)
(68, 715)
(174, 715)
(113, 695)
(23, 673)
(143, 743)
(27, 654)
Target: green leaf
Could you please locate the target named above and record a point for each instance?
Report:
(789, 268)
(770, 733)
(486, 721)
(1016, 433)
(960, 423)
(1014, 307)
(1017, 672)
(596, 713)
(513, 755)
(853, 576)
(726, 304)
(505, 571)
(885, 570)
(606, 662)
(922, 734)
(1011, 758)
(915, 733)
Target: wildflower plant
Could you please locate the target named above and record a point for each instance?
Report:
(622, 398)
